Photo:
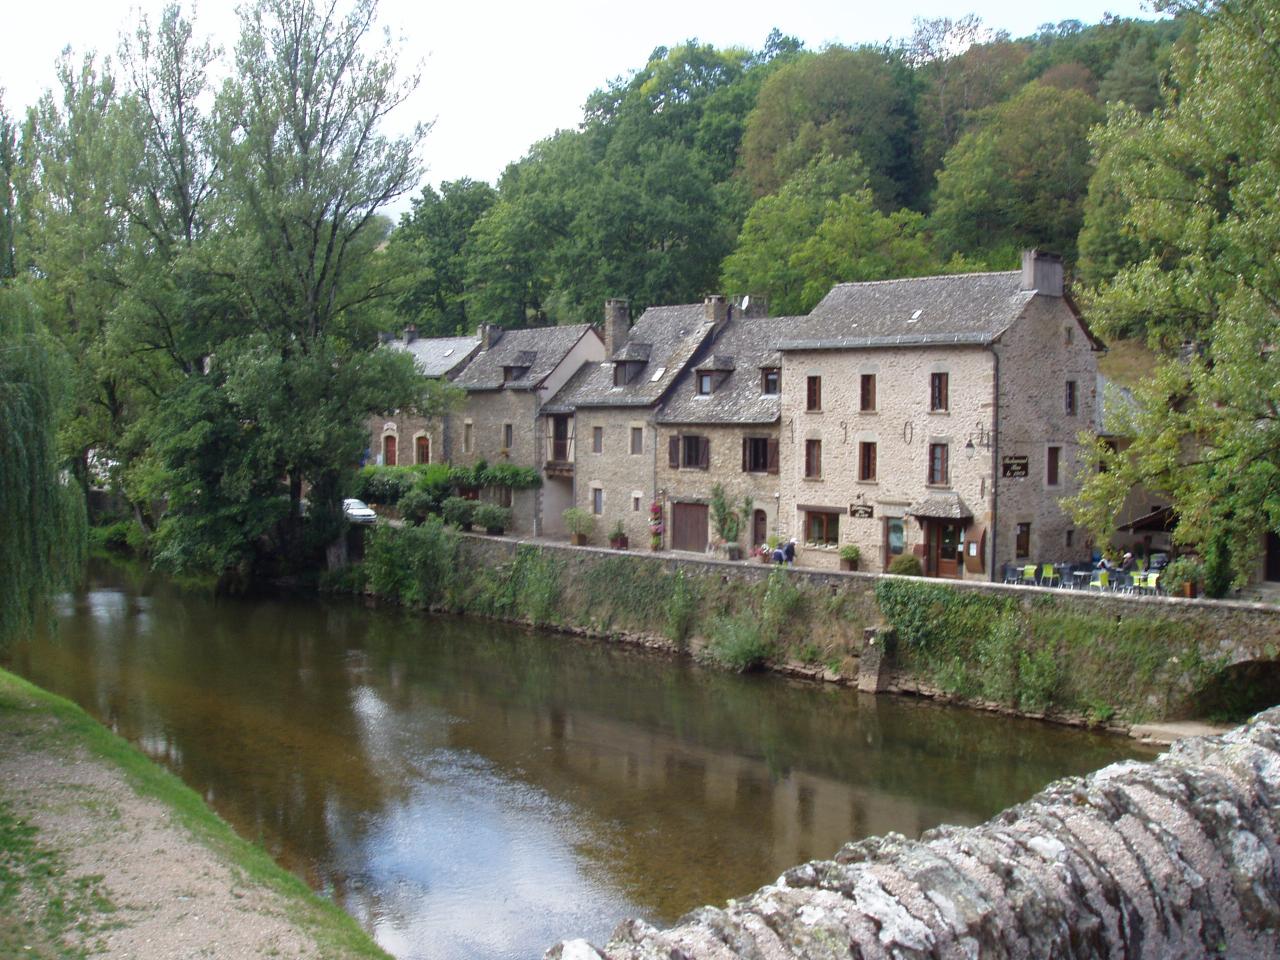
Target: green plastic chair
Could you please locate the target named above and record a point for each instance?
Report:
(1048, 574)
(1101, 581)
(1029, 574)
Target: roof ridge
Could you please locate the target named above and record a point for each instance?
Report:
(932, 276)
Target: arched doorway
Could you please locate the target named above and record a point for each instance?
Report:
(422, 449)
(759, 528)
(389, 450)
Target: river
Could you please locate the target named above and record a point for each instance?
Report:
(472, 790)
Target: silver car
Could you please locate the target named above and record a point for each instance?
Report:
(357, 511)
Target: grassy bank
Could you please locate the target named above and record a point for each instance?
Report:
(1067, 656)
(46, 910)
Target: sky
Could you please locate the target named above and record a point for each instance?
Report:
(498, 76)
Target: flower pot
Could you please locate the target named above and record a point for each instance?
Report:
(848, 564)
(578, 539)
(733, 551)
(1188, 589)
(493, 531)
(618, 543)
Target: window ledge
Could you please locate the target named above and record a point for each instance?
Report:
(937, 486)
(867, 483)
(869, 413)
(939, 413)
(814, 410)
(812, 479)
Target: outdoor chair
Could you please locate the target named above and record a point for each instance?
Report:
(1029, 575)
(1101, 581)
(1011, 573)
(1153, 582)
(1049, 574)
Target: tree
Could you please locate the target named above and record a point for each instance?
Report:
(1202, 206)
(1019, 178)
(836, 103)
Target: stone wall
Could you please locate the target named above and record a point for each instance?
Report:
(1176, 858)
(624, 477)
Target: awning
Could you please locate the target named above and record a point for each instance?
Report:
(940, 506)
(1160, 520)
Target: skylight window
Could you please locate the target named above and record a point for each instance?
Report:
(915, 316)
(657, 374)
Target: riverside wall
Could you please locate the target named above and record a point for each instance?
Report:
(1175, 858)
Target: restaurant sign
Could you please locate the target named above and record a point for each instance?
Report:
(1014, 466)
(861, 511)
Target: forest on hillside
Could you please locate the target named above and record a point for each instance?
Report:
(780, 171)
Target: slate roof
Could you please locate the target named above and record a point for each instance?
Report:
(941, 506)
(968, 308)
(744, 346)
(673, 334)
(541, 349)
(438, 356)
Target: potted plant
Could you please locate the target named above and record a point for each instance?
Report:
(579, 523)
(618, 537)
(656, 527)
(1182, 575)
(458, 511)
(849, 556)
(493, 518)
(728, 520)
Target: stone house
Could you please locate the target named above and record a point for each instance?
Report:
(507, 383)
(719, 424)
(938, 416)
(604, 420)
(405, 437)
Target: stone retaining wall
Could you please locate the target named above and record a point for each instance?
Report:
(1176, 858)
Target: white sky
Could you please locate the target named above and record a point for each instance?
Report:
(498, 75)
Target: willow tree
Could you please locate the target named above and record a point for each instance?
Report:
(41, 515)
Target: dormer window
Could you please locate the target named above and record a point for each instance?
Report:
(513, 373)
(710, 375)
(706, 383)
(519, 366)
(624, 371)
(770, 380)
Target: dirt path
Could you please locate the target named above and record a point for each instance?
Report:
(90, 867)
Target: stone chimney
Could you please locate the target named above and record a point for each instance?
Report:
(489, 334)
(617, 321)
(1042, 272)
(715, 308)
(410, 333)
(753, 306)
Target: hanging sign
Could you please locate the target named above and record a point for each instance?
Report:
(861, 511)
(1015, 466)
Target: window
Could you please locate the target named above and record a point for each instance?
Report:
(513, 373)
(635, 502)
(770, 380)
(759, 455)
(1022, 541)
(422, 449)
(1053, 466)
(895, 536)
(813, 459)
(814, 394)
(706, 383)
(637, 440)
(466, 437)
(867, 461)
(1071, 536)
(502, 496)
(1069, 401)
(938, 391)
(938, 475)
(689, 452)
(389, 450)
(597, 500)
(506, 436)
(868, 392)
(597, 439)
(822, 527)
(624, 371)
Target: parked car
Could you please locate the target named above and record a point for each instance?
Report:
(357, 511)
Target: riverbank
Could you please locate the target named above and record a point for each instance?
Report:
(105, 854)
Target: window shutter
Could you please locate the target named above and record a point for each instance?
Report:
(746, 465)
(704, 455)
(771, 453)
(673, 452)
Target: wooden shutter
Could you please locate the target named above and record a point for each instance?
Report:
(704, 454)
(772, 454)
(746, 448)
(673, 452)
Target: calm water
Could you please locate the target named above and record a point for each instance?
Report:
(468, 790)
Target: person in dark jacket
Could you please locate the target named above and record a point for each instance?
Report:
(789, 552)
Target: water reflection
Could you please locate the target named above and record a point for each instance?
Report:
(469, 790)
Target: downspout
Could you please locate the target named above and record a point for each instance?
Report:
(653, 421)
(995, 457)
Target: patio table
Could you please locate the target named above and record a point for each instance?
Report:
(1081, 578)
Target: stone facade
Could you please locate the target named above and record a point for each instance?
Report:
(624, 479)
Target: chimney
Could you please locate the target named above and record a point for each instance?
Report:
(1042, 272)
(753, 306)
(410, 333)
(489, 334)
(617, 321)
(715, 308)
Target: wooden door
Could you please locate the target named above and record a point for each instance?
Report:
(423, 449)
(759, 528)
(389, 451)
(944, 547)
(689, 526)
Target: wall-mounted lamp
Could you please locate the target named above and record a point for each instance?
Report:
(983, 436)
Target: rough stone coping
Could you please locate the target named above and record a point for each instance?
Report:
(1179, 857)
(1016, 589)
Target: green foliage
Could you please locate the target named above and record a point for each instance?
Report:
(906, 565)
(727, 518)
(739, 642)
(419, 503)
(490, 516)
(850, 553)
(508, 475)
(350, 580)
(385, 485)
(680, 608)
(578, 521)
(123, 536)
(412, 565)
(458, 511)
(781, 605)
(1184, 569)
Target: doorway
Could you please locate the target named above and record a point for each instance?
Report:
(689, 527)
(943, 543)
(389, 450)
(759, 528)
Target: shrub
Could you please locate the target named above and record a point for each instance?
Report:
(385, 485)
(419, 503)
(507, 475)
(738, 642)
(850, 553)
(414, 565)
(782, 599)
(577, 521)
(458, 511)
(491, 516)
(681, 605)
(907, 565)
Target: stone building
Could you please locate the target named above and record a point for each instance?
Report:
(608, 411)
(507, 383)
(937, 416)
(405, 437)
(719, 424)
